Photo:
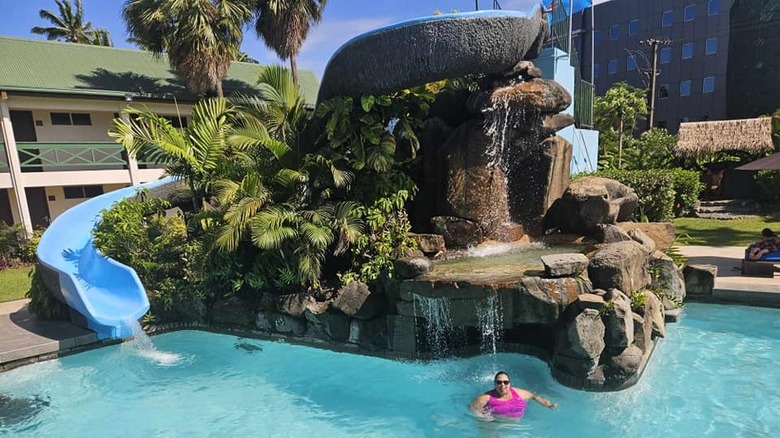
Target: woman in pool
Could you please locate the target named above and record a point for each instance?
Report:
(505, 401)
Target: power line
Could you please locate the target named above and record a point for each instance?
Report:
(654, 43)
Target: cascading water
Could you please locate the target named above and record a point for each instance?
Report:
(436, 312)
(490, 319)
(142, 345)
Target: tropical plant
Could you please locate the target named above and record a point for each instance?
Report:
(652, 150)
(199, 153)
(200, 37)
(70, 26)
(618, 111)
(285, 24)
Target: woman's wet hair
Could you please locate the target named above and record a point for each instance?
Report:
(500, 373)
(766, 232)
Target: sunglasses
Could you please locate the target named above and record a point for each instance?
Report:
(502, 382)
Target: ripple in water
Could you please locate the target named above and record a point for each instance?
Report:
(142, 345)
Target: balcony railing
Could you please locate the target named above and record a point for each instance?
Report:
(64, 156)
(3, 159)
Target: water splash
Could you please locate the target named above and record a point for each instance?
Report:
(436, 312)
(142, 345)
(499, 118)
(492, 249)
(490, 320)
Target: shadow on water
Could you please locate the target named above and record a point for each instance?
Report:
(14, 412)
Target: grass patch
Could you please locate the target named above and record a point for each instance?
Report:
(713, 232)
(15, 283)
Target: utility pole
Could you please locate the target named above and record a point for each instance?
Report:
(654, 43)
(476, 5)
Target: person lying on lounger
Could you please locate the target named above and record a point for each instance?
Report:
(768, 243)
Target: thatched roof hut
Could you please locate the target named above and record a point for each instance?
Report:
(748, 135)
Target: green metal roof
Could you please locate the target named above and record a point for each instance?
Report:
(40, 66)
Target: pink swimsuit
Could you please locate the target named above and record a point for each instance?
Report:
(514, 407)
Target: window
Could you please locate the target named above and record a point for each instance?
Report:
(82, 192)
(71, 119)
(614, 31)
(666, 55)
(633, 27)
(713, 7)
(685, 88)
(612, 67)
(687, 51)
(660, 124)
(711, 46)
(663, 91)
(666, 19)
(597, 37)
(690, 13)
(596, 70)
(708, 85)
(631, 62)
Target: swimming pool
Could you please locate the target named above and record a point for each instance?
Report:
(715, 374)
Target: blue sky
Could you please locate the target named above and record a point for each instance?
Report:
(342, 20)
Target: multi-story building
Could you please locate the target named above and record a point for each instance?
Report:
(57, 102)
(693, 41)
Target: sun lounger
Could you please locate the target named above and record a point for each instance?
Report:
(763, 267)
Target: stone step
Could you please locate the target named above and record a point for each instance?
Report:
(724, 216)
(726, 209)
(728, 202)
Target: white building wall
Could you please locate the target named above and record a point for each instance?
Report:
(101, 123)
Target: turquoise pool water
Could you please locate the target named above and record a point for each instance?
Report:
(716, 374)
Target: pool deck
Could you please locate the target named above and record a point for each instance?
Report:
(26, 339)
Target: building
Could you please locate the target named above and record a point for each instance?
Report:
(57, 101)
(693, 53)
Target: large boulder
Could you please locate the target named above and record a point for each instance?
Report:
(619, 323)
(357, 300)
(411, 267)
(668, 279)
(662, 233)
(623, 366)
(700, 280)
(458, 232)
(564, 265)
(271, 321)
(621, 265)
(580, 344)
(542, 95)
(589, 201)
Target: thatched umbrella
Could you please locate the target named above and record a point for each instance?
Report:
(771, 162)
(748, 135)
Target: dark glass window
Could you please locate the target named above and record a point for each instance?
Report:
(631, 62)
(82, 192)
(711, 46)
(176, 122)
(713, 7)
(633, 27)
(685, 88)
(687, 51)
(690, 12)
(663, 91)
(666, 55)
(708, 85)
(597, 37)
(614, 32)
(666, 19)
(60, 118)
(660, 124)
(596, 69)
(81, 119)
(612, 67)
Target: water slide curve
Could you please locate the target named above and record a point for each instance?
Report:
(423, 50)
(105, 292)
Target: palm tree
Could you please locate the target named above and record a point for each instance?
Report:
(283, 201)
(200, 37)
(618, 110)
(69, 26)
(198, 153)
(285, 24)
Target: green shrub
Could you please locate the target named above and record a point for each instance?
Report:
(42, 303)
(11, 237)
(687, 189)
(768, 181)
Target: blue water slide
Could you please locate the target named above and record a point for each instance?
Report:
(107, 293)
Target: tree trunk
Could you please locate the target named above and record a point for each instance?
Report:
(294, 69)
(218, 89)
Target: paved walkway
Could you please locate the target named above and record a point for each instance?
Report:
(25, 338)
(730, 284)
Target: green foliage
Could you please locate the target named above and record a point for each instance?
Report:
(663, 194)
(615, 116)
(70, 26)
(609, 307)
(15, 247)
(768, 182)
(137, 233)
(42, 303)
(638, 300)
(776, 129)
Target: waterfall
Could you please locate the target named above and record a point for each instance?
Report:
(436, 312)
(499, 118)
(490, 320)
(142, 345)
